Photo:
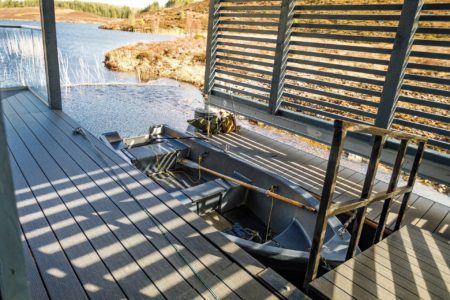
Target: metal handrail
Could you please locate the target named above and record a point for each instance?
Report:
(31, 27)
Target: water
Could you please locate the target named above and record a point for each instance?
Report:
(88, 95)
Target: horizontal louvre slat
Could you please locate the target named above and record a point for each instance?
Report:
(429, 79)
(317, 111)
(245, 61)
(423, 127)
(440, 144)
(254, 87)
(437, 43)
(422, 114)
(253, 16)
(250, 8)
(347, 27)
(331, 95)
(248, 54)
(242, 68)
(426, 90)
(335, 85)
(328, 104)
(341, 57)
(349, 7)
(244, 76)
(244, 30)
(428, 103)
(429, 67)
(347, 17)
(246, 46)
(247, 38)
(248, 23)
(337, 66)
(338, 76)
(341, 47)
(240, 91)
(423, 54)
(344, 37)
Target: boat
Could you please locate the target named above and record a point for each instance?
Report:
(241, 200)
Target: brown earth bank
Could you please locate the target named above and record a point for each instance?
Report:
(191, 18)
(182, 59)
(62, 15)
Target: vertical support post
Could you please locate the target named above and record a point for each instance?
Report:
(404, 38)
(325, 201)
(281, 54)
(13, 284)
(211, 44)
(50, 53)
(391, 187)
(411, 181)
(366, 192)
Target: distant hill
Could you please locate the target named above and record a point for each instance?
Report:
(190, 18)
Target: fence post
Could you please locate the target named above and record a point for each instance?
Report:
(50, 53)
(329, 186)
(13, 284)
(211, 44)
(404, 39)
(281, 54)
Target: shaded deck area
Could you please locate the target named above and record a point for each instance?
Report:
(96, 228)
(308, 171)
(409, 264)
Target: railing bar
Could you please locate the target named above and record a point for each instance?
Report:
(247, 38)
(349, 7)
(348, 17)
(246, 46)
(437, 43)
(435, 55)
(248, 23)
(247, 54)
(429, 67)
(344, 37)
(246, 15)
(429, 79)
(426, 90)
(249, 8)
(243, 30)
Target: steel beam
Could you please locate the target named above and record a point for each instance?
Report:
(51, 53)
(403, 42)
(281, 54)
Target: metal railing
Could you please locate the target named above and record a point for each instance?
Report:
(298, 67)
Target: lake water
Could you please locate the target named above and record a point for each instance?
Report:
(97, 105)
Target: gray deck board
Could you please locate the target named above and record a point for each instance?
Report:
(86, 237)
(308, 171)
(401, 266)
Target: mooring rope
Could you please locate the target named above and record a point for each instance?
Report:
(80, 131)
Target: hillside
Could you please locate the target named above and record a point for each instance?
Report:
(190, 18)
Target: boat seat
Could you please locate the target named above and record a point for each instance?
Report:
(294, 237)
(206, 196)
(235, 195)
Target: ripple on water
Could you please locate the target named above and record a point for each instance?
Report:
(132, 109)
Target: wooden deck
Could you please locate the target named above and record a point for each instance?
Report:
(308, 171)
(95, 228)
(409, 264)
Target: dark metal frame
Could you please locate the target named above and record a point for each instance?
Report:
(328, 209)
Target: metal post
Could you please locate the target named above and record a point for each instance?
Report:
(13, 284)
(325, 202)
(50, 53)
(411, 181)
(404, 39)
(281, 54)
(365, 194)
(211, 44)
(392, 186)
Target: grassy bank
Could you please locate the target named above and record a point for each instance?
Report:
(181, 59)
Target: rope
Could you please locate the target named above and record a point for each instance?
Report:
(347, 223)
(272, 189)
(80, 131)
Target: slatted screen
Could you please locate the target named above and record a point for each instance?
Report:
(246, 43)
(424, 103)
(337, 59)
